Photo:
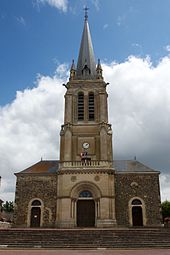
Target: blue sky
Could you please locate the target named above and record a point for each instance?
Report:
(39, 39)
(36, 36)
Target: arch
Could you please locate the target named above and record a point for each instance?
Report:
(85, 194)
(36, 203)
(81, 186)
(86, 70)
(35, 213)
(91, 108)
(137, 212)
(86, 206)
(136, 202)
(80, 106)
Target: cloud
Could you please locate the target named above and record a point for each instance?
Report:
(3, 16)
(139, 100)
(59, 4)
(141, 95)
(137, 45)
(139, 110)
(167, 48)
(165, 186)
(96, 3)
(30, 128)
(121, 19)
(21, 20)
(105, 26)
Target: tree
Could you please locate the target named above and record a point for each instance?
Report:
(8, 206)
(165, 209)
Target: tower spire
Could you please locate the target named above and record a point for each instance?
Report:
(86, 66)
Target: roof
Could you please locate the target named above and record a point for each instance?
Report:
(131, 166)
(120, 166)
(43, 166)
(86, 66)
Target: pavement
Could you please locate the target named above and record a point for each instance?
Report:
(87, 252)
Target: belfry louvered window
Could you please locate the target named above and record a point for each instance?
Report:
(91, 106)
(80, 106)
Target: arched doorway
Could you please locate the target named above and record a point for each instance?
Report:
(85, 209)
(35, 214)
(137, 213)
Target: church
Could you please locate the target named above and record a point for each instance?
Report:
(86, 187)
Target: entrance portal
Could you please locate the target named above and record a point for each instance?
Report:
(35, 217)
(137, 216)
(85, 213)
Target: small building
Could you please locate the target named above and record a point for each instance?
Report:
(86, 187)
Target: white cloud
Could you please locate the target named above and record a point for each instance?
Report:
(167, 48)
(121, 19)
(21, 20)
(139, 99)
(30, 128)
(165, 186)
(105, 26)
(137, 45)
(139, 109)
(59, 4)
(96, 3)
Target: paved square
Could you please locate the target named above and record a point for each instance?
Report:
(87, 252)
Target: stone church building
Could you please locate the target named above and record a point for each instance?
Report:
(86, 187)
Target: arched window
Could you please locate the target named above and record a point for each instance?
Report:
(36, 203)
(91, 106)
(85, 193)
(136, 202)
(80, 106)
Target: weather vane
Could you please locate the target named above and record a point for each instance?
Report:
(86, 12)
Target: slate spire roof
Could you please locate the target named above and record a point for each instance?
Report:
(86, 66)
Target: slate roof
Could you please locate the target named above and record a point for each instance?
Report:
(43, 166)
(131, 166)
(121, 166)
(86, 54)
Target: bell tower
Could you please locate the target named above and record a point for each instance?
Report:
(85, 190)
(86, 128)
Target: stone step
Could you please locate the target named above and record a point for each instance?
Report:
(85, 238)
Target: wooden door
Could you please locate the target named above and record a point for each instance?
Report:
(85, 213)
(35, 217)
(137, 216)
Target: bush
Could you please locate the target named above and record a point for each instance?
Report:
(165, 209)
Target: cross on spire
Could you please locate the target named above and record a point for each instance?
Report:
(86, 13)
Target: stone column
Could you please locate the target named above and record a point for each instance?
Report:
(67, 152)
(103, 107)
(68, 108)
(103, 144)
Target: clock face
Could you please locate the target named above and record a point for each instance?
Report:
(85, 145)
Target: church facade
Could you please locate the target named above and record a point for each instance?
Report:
(86, 187)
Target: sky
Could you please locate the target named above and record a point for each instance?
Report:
(39, 39)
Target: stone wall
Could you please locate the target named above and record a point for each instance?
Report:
(35, 186)
(4, 225)
(144, 186)
(99, 182)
